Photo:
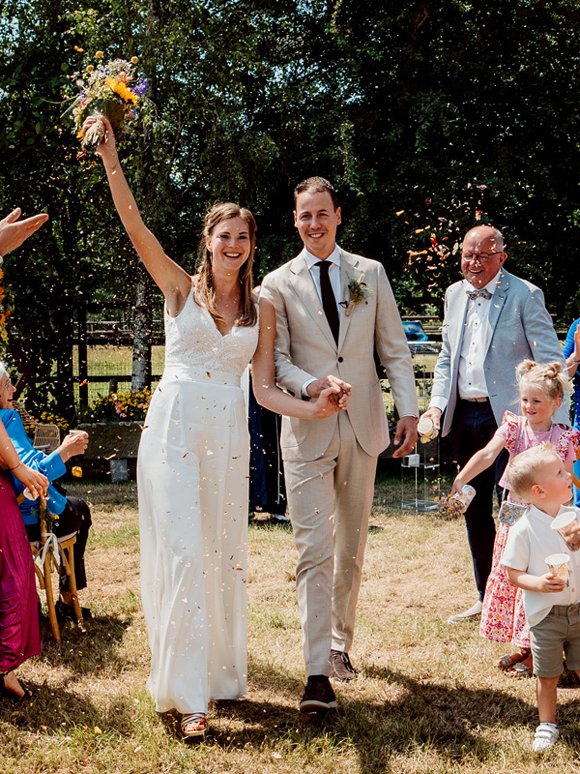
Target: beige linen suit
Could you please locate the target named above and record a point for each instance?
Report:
(330, 464)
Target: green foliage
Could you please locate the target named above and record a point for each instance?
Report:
(436, 109)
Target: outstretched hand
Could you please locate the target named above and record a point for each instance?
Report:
(73, 444)
(405, 436)
(434, 414)
(571, 535)
(14, 232)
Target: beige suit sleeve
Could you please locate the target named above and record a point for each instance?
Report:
(288, 376)
(393, 349)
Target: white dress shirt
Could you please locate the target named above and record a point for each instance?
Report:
(474, 344)
(333, 272)
(530, 541)
(476, 338)
(334, 276)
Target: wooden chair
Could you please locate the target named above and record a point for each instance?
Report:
(45, 552)
(46, 437)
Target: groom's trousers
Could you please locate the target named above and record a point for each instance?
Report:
(330, 501)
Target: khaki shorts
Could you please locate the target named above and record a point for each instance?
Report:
(558, 632)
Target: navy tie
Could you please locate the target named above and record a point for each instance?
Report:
(328, 299)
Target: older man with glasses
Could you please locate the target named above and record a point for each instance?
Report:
(493, 320)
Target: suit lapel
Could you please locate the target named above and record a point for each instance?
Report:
(459, 313)
(348, 272)
(497, 301)
(306, 296)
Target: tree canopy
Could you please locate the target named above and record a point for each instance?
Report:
(428, 117)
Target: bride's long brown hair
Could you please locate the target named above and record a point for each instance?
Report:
(204, 288)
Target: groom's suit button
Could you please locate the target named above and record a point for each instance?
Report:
(340, 359)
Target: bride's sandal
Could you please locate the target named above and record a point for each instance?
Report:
(194, 724)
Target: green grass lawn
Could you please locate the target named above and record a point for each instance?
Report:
(428, 699)
(112, 361)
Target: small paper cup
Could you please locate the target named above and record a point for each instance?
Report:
(558, 564)
(426, 429)
(563, 520)
(78, 432)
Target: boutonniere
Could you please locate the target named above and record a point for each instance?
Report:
(357, 292)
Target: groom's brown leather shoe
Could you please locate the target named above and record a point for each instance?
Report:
(340, 667)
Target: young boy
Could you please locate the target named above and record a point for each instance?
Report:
(552, 605)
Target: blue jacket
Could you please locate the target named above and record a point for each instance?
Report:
(50, 464)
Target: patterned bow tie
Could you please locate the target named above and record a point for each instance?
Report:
(482, 293)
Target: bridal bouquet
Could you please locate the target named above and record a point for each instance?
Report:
(112, 89)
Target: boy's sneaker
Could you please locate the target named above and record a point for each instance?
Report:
(546, 736)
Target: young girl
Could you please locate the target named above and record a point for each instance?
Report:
(541, 389)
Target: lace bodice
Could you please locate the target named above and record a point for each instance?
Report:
(193, 344)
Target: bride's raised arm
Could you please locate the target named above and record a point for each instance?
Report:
(173, 281)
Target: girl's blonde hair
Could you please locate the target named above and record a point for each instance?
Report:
(549, 377)
(204, 288)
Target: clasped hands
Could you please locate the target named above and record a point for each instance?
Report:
(331, 394)
(334, 394)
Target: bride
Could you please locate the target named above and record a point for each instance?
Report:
(192, 473)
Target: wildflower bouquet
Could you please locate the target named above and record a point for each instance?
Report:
(112, 89)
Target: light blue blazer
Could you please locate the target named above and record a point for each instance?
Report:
(521, 328)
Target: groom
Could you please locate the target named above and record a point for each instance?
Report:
(333, 310)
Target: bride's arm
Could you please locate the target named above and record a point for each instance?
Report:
(172, 280)
(332, 399)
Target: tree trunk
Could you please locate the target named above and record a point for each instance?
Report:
(142, 324)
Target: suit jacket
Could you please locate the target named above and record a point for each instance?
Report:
(521, 328)
(305, 348)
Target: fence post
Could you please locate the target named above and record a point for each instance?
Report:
(83, 355)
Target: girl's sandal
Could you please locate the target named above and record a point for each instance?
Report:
(507, 662)
(523, 669)
(193, 725)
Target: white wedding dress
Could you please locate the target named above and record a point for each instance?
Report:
(193, 510)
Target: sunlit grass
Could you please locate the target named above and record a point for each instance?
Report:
(429, 698)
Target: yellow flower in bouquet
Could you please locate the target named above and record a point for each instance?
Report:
(112, 89)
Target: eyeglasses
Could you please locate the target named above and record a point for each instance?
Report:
(481, 257)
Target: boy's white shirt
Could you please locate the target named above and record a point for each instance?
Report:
(530, 541)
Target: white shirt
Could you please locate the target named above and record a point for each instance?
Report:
(333, 272)
(334, 276)
(474, 344)
(476, 338)
(530, 541)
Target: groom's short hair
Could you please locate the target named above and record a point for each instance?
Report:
(316, 185)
